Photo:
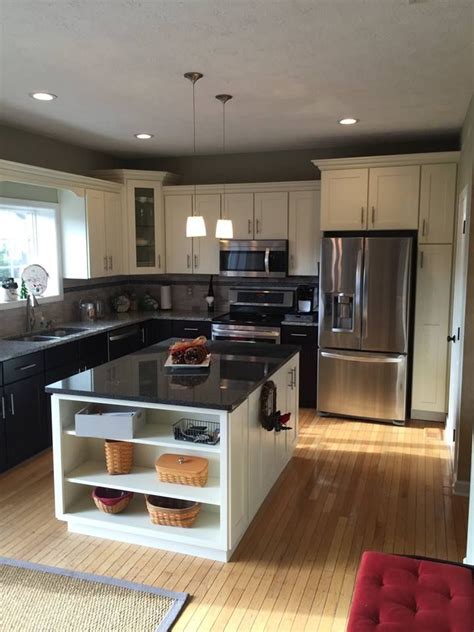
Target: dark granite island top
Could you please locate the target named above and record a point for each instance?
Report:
(236, 370)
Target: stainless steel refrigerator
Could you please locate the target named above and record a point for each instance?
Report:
(364, 326)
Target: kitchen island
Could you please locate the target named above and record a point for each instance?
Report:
(243, 466)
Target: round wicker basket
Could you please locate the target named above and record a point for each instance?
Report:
(118, 456)
(111, 501)
(172, 512)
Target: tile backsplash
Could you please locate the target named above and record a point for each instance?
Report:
(188, 293)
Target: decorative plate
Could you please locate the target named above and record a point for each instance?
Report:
(36, 279)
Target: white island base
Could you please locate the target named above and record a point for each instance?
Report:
(243, 467)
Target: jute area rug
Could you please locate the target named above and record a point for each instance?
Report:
(36, 598)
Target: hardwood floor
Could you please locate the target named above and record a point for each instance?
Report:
(350, 487)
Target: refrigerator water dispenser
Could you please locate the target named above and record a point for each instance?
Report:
(343, 312)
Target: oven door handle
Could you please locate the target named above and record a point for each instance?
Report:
(246, 334)
(267, 260)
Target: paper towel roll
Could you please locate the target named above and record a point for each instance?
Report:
(165, 297)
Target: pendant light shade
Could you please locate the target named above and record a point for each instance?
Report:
(224, 229)
(195, 226)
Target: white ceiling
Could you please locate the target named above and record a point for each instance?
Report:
(403, 67)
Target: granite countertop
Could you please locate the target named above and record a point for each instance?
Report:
(15, 348)
(236, 370)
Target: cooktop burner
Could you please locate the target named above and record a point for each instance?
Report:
(249, 318)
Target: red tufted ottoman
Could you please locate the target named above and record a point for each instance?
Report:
(402, 594)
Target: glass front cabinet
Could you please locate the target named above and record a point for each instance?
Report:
(146, 229)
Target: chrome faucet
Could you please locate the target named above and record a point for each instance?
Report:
(31, 304)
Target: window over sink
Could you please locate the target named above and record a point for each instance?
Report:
(28, 234)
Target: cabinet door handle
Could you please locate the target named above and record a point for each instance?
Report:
(159, 261)
(196, 261)
(292, 261)
(423, 228)
(362, 215)
(258, 225)
(190, 329)
(4, 416)
(26, 367)
(373, 215)
(250, 227)
(189, 260)
(421, 258)
(143, 335)
(105, 264)
(111, 263)
(300, 335)
(290, 373)
(12, 404)
(294, 376)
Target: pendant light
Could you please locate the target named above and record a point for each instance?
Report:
(195, 224)
(224, 227)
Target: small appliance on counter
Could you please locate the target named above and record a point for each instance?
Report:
(165, 297)
(87, 310)
(99, 309)
(306, 301)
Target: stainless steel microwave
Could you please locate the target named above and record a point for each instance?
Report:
(253, 258)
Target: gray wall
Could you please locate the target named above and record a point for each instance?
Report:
(33, 149)
(19, 191)
(278, 166)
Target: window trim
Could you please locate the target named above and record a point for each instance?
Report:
(29, 204)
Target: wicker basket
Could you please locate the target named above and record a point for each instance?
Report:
(172, 512)
(111, 501)
(182, 470)
(118, 456)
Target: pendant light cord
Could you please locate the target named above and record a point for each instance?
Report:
(193, 207)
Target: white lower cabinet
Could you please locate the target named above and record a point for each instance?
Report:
(430, 356)
(304, 234)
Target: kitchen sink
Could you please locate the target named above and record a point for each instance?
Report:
(47, 334)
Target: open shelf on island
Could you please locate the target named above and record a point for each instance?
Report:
(160, 434)
(205, 531)
(143, 480)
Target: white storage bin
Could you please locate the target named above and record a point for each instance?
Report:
(109, 422)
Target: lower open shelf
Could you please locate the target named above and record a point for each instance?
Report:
(206, 531)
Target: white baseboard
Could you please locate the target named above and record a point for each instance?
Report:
(461, 488)
(426, 415)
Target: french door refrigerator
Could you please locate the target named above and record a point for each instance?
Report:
(364, 326)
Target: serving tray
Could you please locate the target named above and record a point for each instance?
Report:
(204, 365)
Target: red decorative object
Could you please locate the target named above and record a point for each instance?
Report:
(402, 594)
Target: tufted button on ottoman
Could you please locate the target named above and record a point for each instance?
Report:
(401, 594)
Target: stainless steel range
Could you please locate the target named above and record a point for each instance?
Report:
(255, 315)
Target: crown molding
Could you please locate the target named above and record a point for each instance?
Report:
(122, 175)
(245, 187)
(387, 161)
(30, 174)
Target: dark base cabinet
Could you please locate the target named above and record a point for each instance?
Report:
(307, 338)
(25, 429)
(191, 328)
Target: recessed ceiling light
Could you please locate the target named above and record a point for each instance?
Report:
(43, 96)
(143, 136)
(348, 121)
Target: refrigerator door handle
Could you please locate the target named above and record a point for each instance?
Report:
(354, 358)
(365, 292)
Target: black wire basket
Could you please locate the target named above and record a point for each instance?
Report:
(197, 431)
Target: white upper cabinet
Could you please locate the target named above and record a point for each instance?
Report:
(437, 203)
(145, 227)
(91, 227)
(113, 232)
(206, 249)
(271, 215)
(304, 232)
(238, 207)
(179, 248)
(394, 197)
(430, 354)
(344, 199)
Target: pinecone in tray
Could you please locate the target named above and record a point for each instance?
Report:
(189, 351)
